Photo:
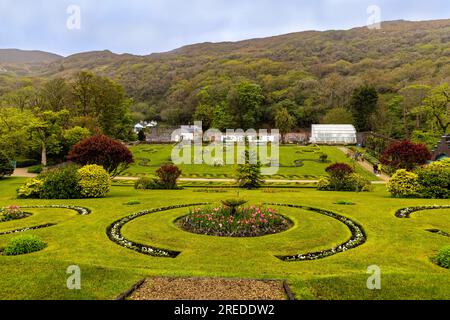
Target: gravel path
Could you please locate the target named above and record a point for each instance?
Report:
(209, 289)
(366, 165)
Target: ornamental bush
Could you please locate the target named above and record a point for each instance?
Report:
(168, 175)
(23, 245)
(61, 183)
(94, 181)
(403, 184)
(405, 155)
(443, 258)
(434, 180)
(340, 177)
(6, 168)
(111, 154)
(31, 189)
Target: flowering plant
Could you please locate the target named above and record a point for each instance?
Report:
(12, 212)
(244, 222)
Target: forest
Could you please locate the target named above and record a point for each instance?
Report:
(393, 81)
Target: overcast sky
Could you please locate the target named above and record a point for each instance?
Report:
(146, 26)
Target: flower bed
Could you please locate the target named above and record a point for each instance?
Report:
(115, 235)
(220, 221)
(12, 213)
(358, 236)
(406, 212)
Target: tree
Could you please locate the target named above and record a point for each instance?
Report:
(284, 122)
(437, 104)
(413, 97)
(245, 101)
(103, 100)
(74, 135)
(248, 175)
(15, 137)
(405, 155)
(47, 128)
(363, 104)
(6, 168)
(338, 115)
(141, 136)
(54, 95)
(113, 155)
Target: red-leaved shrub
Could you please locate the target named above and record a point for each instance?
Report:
(339, 170)
(405, 155)
(168, 175)
(111, 154)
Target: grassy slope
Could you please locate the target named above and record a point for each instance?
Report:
(148, 158)
(400, 247)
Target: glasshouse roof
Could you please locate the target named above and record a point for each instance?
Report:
(333, 134)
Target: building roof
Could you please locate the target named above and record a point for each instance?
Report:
(339, 128)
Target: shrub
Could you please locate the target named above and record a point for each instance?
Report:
(145, 183)
(443, 258)
(23, 163)
(168, 175)
(23, 245)
(340, 177)
(405, 155)
(324, 184)
(6, 168)
(248, 175)
(360, 183)
(94, 181)
(323, 158)
(403, 184)
(36, 169)
(61, 183)
(111, 154)
(31, 189)
(434, 181)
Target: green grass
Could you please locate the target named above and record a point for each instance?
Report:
(148, 158)
(401, 247)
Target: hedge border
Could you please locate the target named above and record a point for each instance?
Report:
(114, 233)
(357, 239)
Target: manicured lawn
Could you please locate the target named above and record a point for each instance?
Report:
(400, 247)
(148, 158)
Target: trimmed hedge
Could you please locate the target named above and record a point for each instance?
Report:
(23, 245)
(443, 258)
(94, 181)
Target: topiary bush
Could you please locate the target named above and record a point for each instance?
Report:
(6, 168)
(94, 181)
(61, 183)
(23, 245)
(443, 258)
(36, 169)
(403, 184)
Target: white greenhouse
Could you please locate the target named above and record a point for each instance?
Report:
(333, 134)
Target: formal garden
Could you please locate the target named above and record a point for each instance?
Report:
(320, 238)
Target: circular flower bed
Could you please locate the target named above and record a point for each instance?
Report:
(224, 221)
(12, 213)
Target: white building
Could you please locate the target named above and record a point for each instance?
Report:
(333, 134)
